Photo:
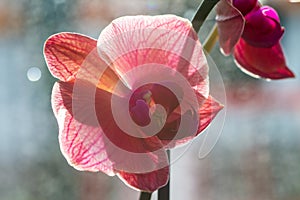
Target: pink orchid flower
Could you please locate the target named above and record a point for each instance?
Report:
(122, 100)
(252, 33)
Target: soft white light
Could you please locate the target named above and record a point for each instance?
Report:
(34, 74)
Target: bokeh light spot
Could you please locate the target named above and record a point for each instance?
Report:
(34, 74)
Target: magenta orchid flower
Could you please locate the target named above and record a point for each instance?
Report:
(122, 100)
(252, 33)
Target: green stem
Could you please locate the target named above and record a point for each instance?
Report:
(145, 196)
(211, 39)
(202, 12)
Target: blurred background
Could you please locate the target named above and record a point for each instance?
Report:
(257, 155)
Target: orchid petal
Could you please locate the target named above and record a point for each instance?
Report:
(268, 63)
(207, 112)
(69, 55)
(134, 41)
(81, 144)
(148, 182)
(230, 23)
(65, 52)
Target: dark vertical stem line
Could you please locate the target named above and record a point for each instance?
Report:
(145, 196)
(202, 12)
(164, 192)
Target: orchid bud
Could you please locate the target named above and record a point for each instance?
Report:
(262, 28)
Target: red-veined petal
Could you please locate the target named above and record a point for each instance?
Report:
(207, 112)
(65, 52)
(148, 182)
(81, 144)
(68, 54)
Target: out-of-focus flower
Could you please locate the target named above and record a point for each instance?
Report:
(121, 101)
(252, 33)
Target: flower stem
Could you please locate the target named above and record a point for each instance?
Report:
(202, 12)
(145, 196)
(164, 192)
(211, 39)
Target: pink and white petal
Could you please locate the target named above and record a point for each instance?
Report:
(71, 55)
(65, 52)
(230, 23)
(134, 41)
(148, 182)
(130, 33)
(57, 100)
(82, 145)
(268, 63)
